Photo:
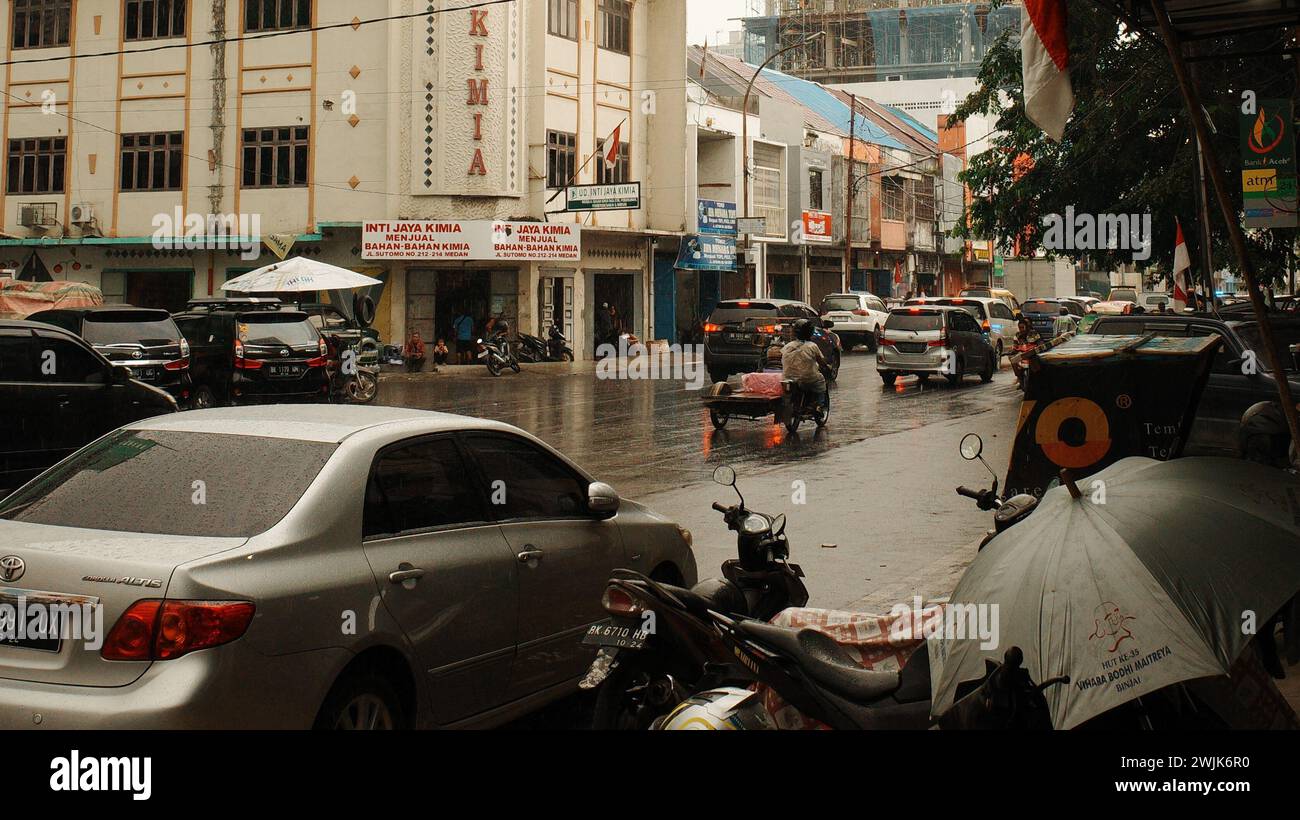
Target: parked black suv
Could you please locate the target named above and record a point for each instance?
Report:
(144, 340)
(739, 332)
(250, 351)
(1239, 376)
(57, 395)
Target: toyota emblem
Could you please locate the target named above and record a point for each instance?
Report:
(11, 568)
(135, 354)
(284, 351)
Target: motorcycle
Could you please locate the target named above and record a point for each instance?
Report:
(555, 349)
(1007, 513)
(659, 642)
(799, 404)
(1021, 352)
(496, 353)
(353, 372)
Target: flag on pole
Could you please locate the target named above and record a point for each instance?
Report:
(611, 148)
(1045, 63)
(1182, 268)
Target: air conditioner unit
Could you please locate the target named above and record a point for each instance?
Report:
(37, 215)
(81, 213)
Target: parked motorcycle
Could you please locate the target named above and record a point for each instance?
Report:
(353, 371)
(659, 642)
(533, 350)
(497, 354)
(1009, 512)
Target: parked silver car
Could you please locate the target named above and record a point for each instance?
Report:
(330, 566)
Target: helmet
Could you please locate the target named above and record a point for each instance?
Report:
(1263, 436)
(502, 326)
(728, 708)
(774, 355)
(803, 330)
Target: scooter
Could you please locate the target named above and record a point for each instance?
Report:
(496, 353)
(799, 405)
(659, 642)
(1020, 357)
(1008, 512)
(555, 349)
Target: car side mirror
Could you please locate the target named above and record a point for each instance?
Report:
(119, 374)
(602, 499)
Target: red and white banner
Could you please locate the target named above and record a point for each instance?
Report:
(1045, 62)
(817, 226)
(1182, 267)
(472, 240)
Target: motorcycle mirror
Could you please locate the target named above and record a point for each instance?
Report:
(971, 447)
(778, 524)
(725, 476)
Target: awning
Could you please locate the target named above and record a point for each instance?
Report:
(1208, 19)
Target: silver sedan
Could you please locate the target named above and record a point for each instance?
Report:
(328, 566)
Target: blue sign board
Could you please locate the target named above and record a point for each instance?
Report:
(707, 253)
(717, 218)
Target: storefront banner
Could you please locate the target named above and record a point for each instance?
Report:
(717, 217)
(817, 226)
(476, 240)
(707, 253)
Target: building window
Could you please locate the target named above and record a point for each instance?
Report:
(275, 157)
(561, 158)
(36, 166)
(276, 15)
(562, 18)
(614, 26)
(815, 190)
(892, 200)
(619, 172)
(152, 162)
(154, 19)
(768, 188)
(41, 23)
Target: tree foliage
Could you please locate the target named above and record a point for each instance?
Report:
(1128, 148)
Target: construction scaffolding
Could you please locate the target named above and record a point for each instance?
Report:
(872, 40)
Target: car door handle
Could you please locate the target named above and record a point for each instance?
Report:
(530, 553)
(402, 575)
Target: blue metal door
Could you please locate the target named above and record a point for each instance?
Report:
(665, 299)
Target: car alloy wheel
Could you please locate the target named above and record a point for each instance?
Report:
(366, 711)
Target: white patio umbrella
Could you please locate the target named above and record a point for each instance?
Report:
(299, 274)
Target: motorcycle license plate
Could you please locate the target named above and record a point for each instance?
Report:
(620, 633)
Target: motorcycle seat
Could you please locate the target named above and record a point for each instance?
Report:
(718, 595)
(825, 661)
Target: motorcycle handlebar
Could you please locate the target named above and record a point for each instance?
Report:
(721, 508)
(969, 493)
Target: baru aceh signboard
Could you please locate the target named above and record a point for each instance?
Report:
(487, 240)
(716, 217)
(1268, 165)
(706, 252)
(623, 196)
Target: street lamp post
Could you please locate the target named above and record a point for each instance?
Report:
(744, 120)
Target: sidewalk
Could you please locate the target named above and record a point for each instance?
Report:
(475, 371)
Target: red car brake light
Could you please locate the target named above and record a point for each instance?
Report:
(244, 364)
(154, 629)
(860, 312)
(709, 327)
(177, 364)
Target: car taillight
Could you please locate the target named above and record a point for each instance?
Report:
(617, 601)
(768, 328)
(319, 361)
(244, 364)
(709, 327)
(185, 349)
(177, 364)
(986, 325)
(860, 312)
(323, 347)
(160, 630)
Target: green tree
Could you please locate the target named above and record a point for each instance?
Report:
(1128, 148)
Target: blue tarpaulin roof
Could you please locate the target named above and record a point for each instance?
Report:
(911, 122)
(820, 101)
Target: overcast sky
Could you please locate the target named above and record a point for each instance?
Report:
(704, 18)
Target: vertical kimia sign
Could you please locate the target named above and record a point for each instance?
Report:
(478, 88)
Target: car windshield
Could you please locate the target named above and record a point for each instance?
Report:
(1286, 336)
(276, 329)
(1122, 296)
(731, 312)
(143, 327)
(248, 483)
(839, 303)
(909, 320)
(1041, 307)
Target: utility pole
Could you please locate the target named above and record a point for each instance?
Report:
(849, 186)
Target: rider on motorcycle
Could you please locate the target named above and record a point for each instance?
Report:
(803, 363)
(1025, 333)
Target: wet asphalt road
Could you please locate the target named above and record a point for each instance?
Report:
(876, 484)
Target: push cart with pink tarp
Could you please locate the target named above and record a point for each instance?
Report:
(20, 299)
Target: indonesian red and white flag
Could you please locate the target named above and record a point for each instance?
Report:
(1182, 268)
(612, 146)
(1045, 62)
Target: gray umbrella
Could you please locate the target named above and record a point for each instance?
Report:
(1155, 576)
